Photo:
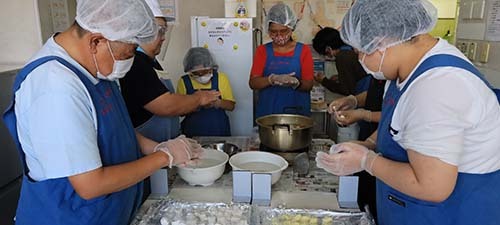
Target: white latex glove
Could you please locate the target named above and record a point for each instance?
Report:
(349, 117)
(342, 104)
(207, 97)
(180, 150)
(346, 158)
(284, 80)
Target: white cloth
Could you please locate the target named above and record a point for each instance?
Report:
(450, 114)
(56, 119)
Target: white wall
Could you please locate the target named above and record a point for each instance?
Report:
(180, 36)
(20, 35)
(474, 31)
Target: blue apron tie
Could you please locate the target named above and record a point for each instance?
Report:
(278, 99)
(475, 199)
(54, 201)
(205, 121)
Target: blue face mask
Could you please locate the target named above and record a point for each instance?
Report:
(379, 75)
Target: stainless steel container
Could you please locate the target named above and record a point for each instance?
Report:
(285, 132)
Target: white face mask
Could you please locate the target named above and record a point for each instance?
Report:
(120, 67)
(204, 79)
(379, 75)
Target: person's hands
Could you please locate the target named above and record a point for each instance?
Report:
(207, 98)
(180, 150)
(346, 158)
(319, 77)
(288, 80)
(349, 117)
(342, 104)
(216, 104)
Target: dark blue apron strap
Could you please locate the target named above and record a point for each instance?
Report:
(269, 57)
(296, 57)
(9, 115)
(188, 85)
(215, 80)
(442, 60)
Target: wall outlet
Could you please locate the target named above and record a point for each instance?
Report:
(471, 54)
(463, 47)
(483, 52)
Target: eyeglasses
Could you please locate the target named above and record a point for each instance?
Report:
(279, 32)
(200, 73)
(162, 29)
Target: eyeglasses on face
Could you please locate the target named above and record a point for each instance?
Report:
(162, 29)
(274, 32)
(199, 73)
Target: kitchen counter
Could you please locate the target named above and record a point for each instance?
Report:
(316, 190)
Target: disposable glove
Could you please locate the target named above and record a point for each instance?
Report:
(346, 158)
(180, 150)
(288, 80)
(349, 117)
(207, 98)
(342, 104)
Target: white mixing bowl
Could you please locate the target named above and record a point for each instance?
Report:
(207, 170)
(260, 162)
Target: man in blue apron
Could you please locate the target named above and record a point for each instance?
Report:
(149, 94)
(210, 120)
(282, 70)
(438, 139)
(150, 97)
(81, 157)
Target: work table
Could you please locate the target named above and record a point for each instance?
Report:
(316, 190)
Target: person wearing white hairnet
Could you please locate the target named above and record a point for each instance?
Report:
(83, 162)
(149, 95)
(438, 158)
(153, 106)
(282, 70)
(203, 74)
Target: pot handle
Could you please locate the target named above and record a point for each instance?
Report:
(287, 126)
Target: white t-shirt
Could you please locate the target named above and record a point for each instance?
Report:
(449, 113)
(56, 119)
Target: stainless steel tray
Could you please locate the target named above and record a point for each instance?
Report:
(171, 212)
(277, 216)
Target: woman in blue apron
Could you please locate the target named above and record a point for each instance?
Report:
(282, 70)
(438, 147)
(210, 120)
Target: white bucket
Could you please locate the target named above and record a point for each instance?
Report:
(349, 133)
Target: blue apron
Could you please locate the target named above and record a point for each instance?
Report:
(278, 99)
(476, 197)
(161, 128)
(54, 201)
(205, 121)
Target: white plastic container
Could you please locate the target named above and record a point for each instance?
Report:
(259, 162)
(207, 171)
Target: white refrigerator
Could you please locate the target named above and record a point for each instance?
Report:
(230, 42)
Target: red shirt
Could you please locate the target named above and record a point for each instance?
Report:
(306, 62)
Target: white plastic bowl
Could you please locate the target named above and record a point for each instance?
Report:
(260, 162)
(207, 170)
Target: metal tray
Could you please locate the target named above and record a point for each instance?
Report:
(173, 212)
(278, 216)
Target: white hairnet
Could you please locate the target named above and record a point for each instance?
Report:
(128, 21)
(198, 56)
(154, 5)
(377, 24)
(281, 14)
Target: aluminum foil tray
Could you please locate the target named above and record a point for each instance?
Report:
(173, 212)
(277, 216)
